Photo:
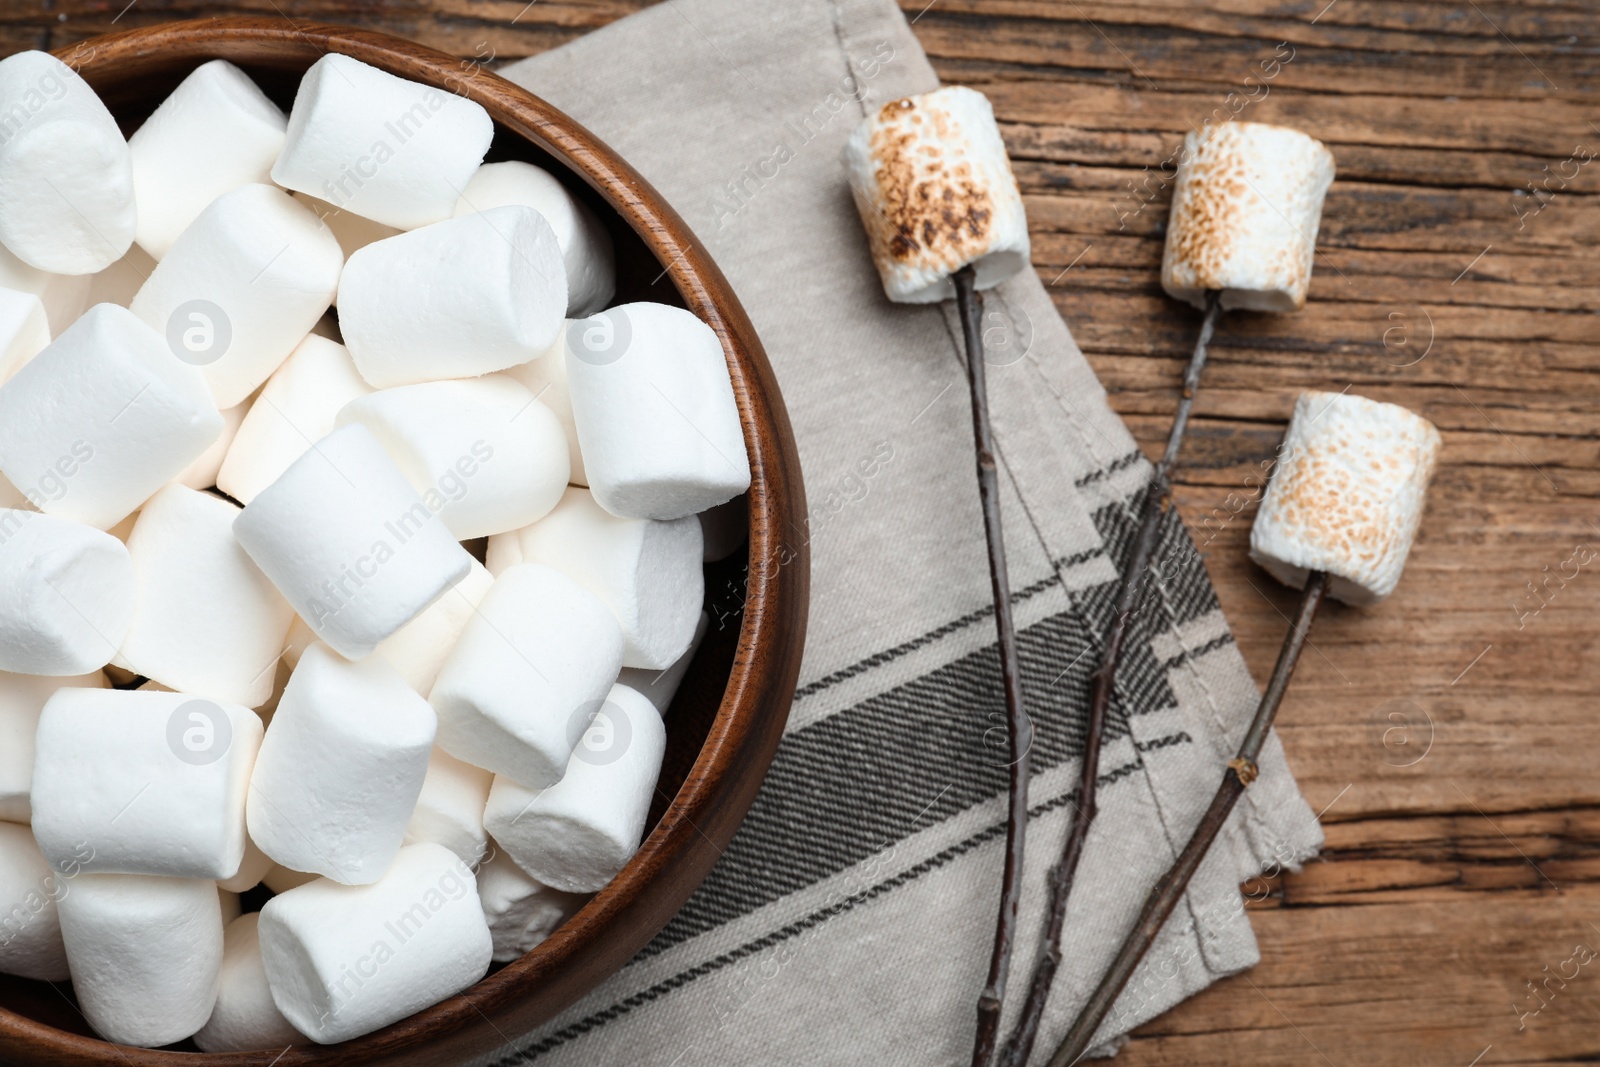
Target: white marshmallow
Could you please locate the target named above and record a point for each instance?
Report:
(659, 687)
(449, 811)
(576, 835)
(454, 300)
(22, 697)
(352, 231)
(69, 595)
(511, 697)
(252, 869)
(647, 572)
(340, 770)
(241, 287)
(230, 904)
(395, 151)
(65, 296)
(146, 954)
(586, 246)
(66, 183)
(245, 1019)
(484, 454)
(30, 925)
(102, 418)
(216, 132)
(546, 378)
(24, 330)
(655, 412)
(208, 622)
(281, 879)
(119, 283)
(296, 408)
(11, 496)
(349, 543)
(153, 782)
(520, 911)
(1347, 496)
(202, 473)
(419, 648)
(934, 189)
(725, 528)
(344, 961)
(1246, 205)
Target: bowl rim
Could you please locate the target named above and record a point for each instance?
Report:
(720, 786)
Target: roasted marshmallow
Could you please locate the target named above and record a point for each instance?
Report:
(539, 652)
(350, 544)
(419, 648)
(145, 954)
(215, 133)
(647, 572)
(585, 245)
(394, 151)
(449, 811)
(207, 622)
(295, 410)
(245, 1019)
(344, 961)
(577, 834)
(659, 687)
(241, 287)
(24, 330)
(403, 302)
(22, 697)
(934, 189)
(655, 412)
(485, 455)
(66, 184)
(521, 912)
(1347, 496)
(1246, 204)
(340, 769)
(546, 379)
(30, 926)
(69, 595)
(153, 783)
(102, 418)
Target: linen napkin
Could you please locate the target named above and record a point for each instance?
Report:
(850, 919)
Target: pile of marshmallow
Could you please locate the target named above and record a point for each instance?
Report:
(382, 611)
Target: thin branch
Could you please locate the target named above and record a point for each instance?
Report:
(1019, 730)
(1102, 686)
(1169, 890)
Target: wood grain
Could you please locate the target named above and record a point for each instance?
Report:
(1449, 881)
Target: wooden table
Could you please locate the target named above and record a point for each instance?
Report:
(1450, 734)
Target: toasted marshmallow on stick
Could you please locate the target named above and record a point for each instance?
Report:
(415, 937)
(1246, 205)
(935, 191)
(66, 180)
(585, 245)
(577, 834)
(1347, 496)
(216, 132)
(395, 151)
(403, 300)
(145, 954)
(241, 287)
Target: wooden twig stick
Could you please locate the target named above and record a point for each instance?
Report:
(1102, 685)
(1019, 729)
(1169, 890)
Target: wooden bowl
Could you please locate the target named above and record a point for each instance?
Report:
(731, 709)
